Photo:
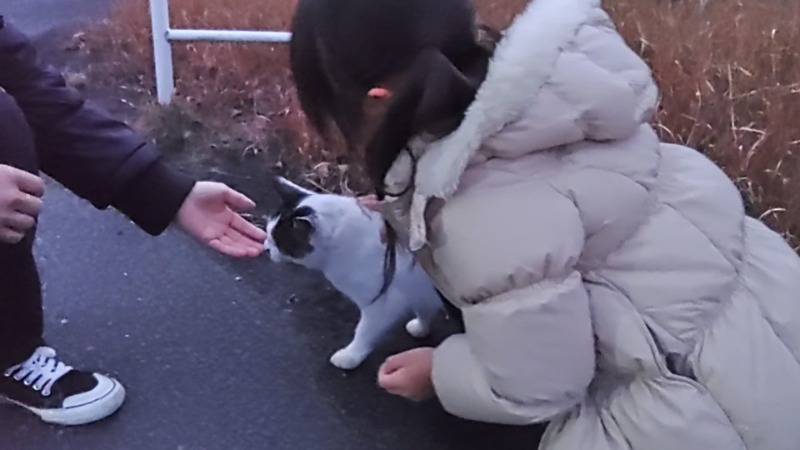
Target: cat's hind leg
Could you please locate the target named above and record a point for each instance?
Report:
(417, 328)
(426, 311)
(376, 320)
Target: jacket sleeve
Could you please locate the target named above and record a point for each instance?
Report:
(528, 353)
(81, 146)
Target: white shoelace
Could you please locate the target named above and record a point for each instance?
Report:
(41, 370)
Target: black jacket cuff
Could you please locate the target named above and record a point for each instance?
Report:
(153, 199)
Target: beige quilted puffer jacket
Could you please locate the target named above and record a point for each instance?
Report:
(610, 283)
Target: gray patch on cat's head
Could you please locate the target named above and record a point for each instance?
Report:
(292, 233)
(291, 227)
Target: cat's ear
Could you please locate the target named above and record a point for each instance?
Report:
(288, 191)
(302, 228)
(303, 224)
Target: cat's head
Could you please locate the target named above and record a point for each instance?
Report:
(303, 222)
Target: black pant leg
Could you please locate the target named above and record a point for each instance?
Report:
(21, 319)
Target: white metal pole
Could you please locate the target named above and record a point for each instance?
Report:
(229, 35)
(162, 51)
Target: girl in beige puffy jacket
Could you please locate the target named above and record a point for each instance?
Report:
(610, 284)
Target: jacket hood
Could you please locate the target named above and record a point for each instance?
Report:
(560, 74)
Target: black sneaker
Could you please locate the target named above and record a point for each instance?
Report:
(59, 394)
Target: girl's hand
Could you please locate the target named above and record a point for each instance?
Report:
(408, 374)
(372, 203)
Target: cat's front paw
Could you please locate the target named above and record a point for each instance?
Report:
(417, 328)
(346, 359)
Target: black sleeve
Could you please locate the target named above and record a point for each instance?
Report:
(94, 155)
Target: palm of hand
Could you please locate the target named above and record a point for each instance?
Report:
(209, 214)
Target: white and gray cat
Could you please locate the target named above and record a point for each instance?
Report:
(334, 234)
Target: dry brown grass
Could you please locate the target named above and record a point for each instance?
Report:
(239, 92)
(729, 75)
(730, 82)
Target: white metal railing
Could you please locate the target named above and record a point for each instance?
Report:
(163, 36)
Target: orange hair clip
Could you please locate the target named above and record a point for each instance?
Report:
(379, 92)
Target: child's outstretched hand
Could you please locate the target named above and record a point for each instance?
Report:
(210, 215)
(408, 374)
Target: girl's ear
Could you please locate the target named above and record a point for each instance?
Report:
(434, 96)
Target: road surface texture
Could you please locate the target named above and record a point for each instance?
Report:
(215, 354)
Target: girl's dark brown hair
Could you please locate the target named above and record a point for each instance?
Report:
(341, 49)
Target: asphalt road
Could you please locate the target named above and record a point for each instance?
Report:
(215, 354)
(38, 16)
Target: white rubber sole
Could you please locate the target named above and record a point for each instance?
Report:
(95, 411)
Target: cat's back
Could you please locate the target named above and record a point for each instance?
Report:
(354, 252)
